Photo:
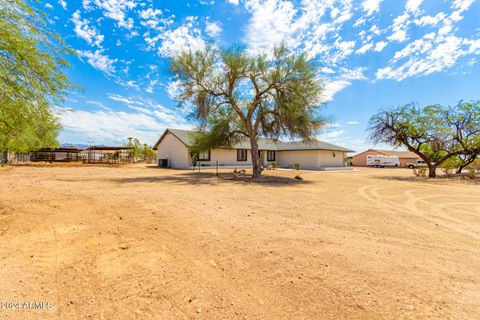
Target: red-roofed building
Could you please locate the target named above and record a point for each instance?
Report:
(360, 160)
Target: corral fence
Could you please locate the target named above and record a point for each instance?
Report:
(14, 158)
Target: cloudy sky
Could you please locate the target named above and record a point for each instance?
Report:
(374, 53)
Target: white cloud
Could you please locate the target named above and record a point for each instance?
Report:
(174, 89)
(379, 46)
(331, 134)
(399, 28)
(371, 6)
(185, 37)
(111, 127)
(354, 122)
(63, 4)
(308, 26)
(413, 6)
(234, 2)
(213, 29)
(333, 87)
(84, 30)
(114, 9)
(434, 51)
(99, 61)
(365, 48)
(436, 55)
(154, 19)
(430, 20)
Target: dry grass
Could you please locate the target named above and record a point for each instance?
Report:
(137, 242)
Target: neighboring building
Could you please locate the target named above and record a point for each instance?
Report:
(360, 160)
(173, 151)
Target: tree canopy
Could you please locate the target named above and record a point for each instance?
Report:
(235, 95)
(435, 133)
(31, 77)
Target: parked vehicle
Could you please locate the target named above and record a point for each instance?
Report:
(379, 161)
(416, 164)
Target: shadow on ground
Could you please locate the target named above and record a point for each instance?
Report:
(462, 178)
(200, 178)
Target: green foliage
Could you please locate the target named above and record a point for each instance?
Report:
(296, 166)
(274, 165)
(237, 96)
(141, 151)
(475, 166)
(32, 78)
(436, 133)
(451, 164)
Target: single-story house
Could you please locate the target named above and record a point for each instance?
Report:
(360, 160)
(173, 151)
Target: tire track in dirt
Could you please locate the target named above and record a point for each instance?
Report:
(437, 212)
(417, 219)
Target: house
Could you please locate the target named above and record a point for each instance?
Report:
(173, 151)
(360, 160)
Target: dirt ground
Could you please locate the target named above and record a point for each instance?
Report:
(147, 243)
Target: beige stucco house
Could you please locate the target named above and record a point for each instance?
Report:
(173, 151)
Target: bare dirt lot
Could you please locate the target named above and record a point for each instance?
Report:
(146, 243)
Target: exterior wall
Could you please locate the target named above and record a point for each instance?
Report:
(360, 160)
(226, 157)
(311, 159)
(175, 151)
(178, 156)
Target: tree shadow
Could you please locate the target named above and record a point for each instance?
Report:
(202, 178)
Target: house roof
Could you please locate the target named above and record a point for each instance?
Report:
(395, 153)
(186, 137)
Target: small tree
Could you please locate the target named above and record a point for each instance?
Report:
(423, 131)
(140, 150)
(237, 95)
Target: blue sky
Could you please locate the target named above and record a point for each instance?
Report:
(374, 53)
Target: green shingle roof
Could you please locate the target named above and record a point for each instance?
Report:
(186, 136)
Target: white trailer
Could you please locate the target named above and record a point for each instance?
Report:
(378, 161)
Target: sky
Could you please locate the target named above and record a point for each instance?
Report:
(373, 54)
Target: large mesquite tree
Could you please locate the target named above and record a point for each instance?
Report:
(435, 133)
(236, 95)
(31, 77)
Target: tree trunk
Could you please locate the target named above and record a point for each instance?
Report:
(465, 164)
(256, 163)
(432, 171)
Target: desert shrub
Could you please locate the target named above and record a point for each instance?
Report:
(296, 166)
(471, 171)
(420, 172)
(475, 166)
(298, 177)
(274, 165)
